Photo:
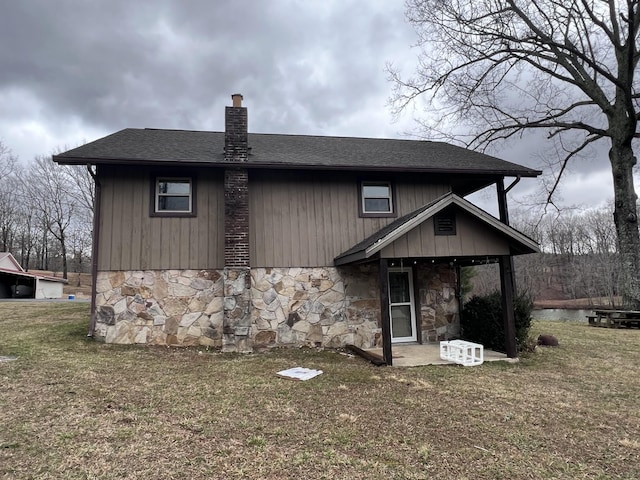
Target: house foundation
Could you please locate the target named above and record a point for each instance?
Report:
(242, 309)
(236, 312)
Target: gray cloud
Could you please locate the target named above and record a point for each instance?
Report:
(74, 71)
(118, 63)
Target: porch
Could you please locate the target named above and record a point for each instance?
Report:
(449, 232)
(416, 355)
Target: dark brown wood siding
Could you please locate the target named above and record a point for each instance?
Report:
(130, 239)
(306, 219)
(472, 238)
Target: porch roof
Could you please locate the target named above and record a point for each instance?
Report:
(369, 247)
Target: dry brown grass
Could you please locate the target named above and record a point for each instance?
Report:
(73, 408)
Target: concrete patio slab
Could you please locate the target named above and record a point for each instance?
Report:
(415, 355)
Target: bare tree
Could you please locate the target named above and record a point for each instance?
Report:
(81, 189)
(9, 213)
(502, 67)
(54, 203)
(8, 204)
(8, 162)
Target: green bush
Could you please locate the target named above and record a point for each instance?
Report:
(481, 320)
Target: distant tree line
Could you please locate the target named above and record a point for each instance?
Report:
(46, 213)
(579, 257)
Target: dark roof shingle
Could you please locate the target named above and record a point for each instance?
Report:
(151, 146)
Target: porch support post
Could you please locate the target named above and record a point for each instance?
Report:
(507, 287)
(503, 210)
(384, 310)
(416, 303)
(95, 248)
(507, 281)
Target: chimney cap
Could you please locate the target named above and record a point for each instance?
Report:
(237, 99)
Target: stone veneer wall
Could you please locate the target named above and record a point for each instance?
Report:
(165, 307)
(326, 306)
(439, 307)
(315, 306)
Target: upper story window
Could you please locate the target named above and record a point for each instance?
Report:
(173, 196)
(376, 199)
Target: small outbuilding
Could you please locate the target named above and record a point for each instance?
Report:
(16, 283)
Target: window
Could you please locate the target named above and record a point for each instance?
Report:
(173, 196)
(376, 199)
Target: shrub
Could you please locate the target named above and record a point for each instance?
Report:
(482, 322)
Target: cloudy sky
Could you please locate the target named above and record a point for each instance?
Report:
(73, 71)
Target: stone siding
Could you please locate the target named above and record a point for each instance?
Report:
(315, 306)
(168, 307)
(237, 310)
(439, 307)
(328, 307)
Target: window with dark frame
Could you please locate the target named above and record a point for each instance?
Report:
(174, 195)
(376, 198)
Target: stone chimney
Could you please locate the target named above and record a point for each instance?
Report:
(235, 133)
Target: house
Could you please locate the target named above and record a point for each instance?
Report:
(242, 241)
(16, 283)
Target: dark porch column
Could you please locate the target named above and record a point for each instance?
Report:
(385, 318)
(507, 281)
(508, 315)
(95, 247)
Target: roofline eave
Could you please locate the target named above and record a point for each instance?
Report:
(61, 159)
(351, 258)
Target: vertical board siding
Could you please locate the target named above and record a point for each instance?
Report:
(306, 219)
(130, 239)
(473, 238)
(298, 218)
(484, 239)
(136, 227)
(106, 223)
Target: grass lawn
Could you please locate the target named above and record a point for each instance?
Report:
(74, 408)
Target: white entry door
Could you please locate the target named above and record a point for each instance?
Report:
(401, 306)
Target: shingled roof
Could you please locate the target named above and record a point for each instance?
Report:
(198, 148)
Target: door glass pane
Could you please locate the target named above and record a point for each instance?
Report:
(399, 287)
(401, 321)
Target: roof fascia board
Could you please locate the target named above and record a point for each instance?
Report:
(64, 160)
(352, 258)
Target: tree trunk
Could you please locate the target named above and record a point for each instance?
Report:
(626, 220)
(27, 258)
(65, 267)
(63, 247)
